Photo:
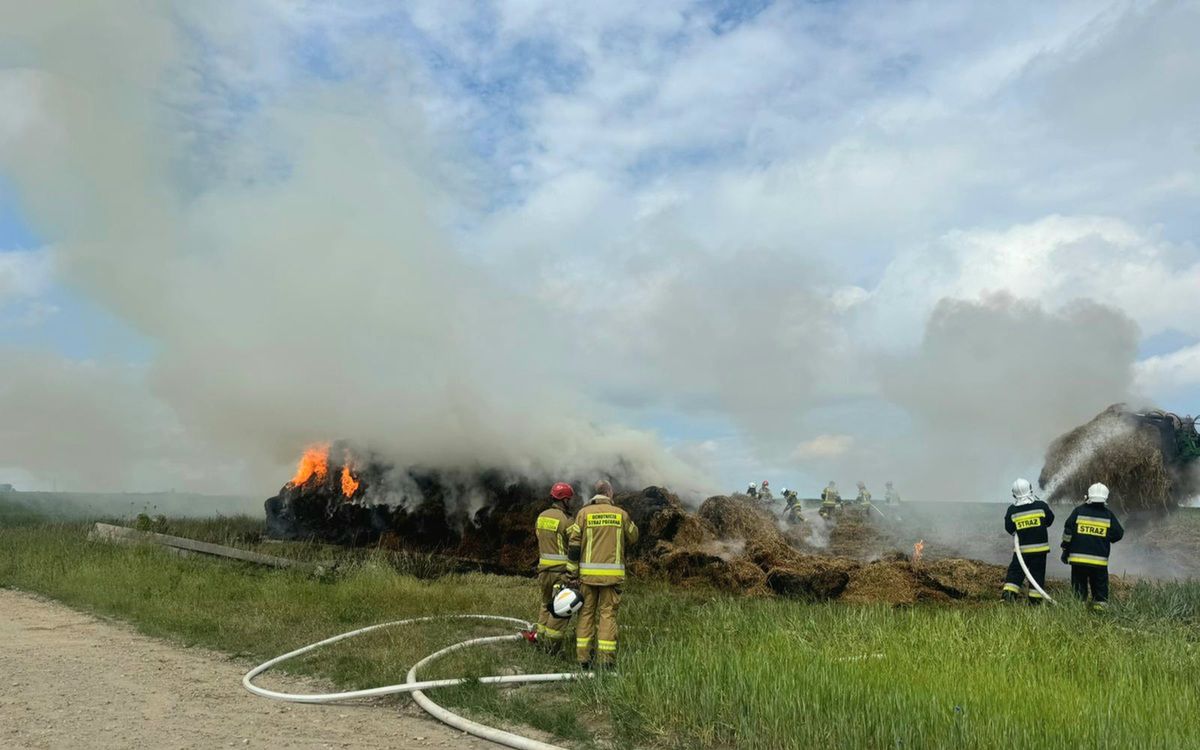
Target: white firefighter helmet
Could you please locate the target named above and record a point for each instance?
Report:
(566, 602)
(753, 485)
(784, 490)
(1022, 491)
(1097, 493)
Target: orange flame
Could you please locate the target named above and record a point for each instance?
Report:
(314, 462)
(918, 548)
(349, 483)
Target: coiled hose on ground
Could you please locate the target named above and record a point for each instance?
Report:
(417, 688)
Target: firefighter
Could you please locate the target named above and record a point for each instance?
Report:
(864, 495)
(830, 500)
(598, 540)
(890, 495)
(752, 491)
(1030, 519)
(764, 492)
(1087, 540)
(791, 505)
(554, 568)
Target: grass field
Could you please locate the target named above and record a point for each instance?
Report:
(698, 669)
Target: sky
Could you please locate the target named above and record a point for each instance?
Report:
(793, 240)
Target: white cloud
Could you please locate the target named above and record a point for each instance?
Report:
(1174, 373)
(1054, 260)
(823, 448)
(23, 274)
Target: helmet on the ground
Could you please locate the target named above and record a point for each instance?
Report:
(562, 491)
(1022, 490)
(1097, 493)
(566, 602)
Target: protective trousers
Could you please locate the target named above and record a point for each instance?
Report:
(1015, 576)
(1094, 577)
(598, 624)
(550, 628)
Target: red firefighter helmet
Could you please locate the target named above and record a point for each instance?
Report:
(562, 491)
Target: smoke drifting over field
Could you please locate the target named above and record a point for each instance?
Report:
(283, 261)
(994, 381)
(279, 240)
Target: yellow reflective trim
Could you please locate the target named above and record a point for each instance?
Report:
(1087, 560)
(606, 646)
(586, 571)
(1014, 588)
(583, 642)
(1035, 548)
(547, 523)
(1029, 514)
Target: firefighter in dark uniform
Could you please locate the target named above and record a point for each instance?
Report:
(1030, 519)
(1087, 540)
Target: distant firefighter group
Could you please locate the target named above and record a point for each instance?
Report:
(831, 499)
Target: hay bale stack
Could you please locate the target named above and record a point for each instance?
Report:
(962, 579)
(887, 581)
(1129, 454)
(738, 517)
(813, 578)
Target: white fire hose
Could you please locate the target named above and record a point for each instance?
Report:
(411, 685)
(1029, 576)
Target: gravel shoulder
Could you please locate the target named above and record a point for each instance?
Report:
(71, 680)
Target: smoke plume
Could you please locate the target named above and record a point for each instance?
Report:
(277, 242)
(994, 381)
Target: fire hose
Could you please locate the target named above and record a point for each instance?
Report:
(417, 688)
(1032, 581)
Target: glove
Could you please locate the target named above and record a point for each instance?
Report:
(1064, 556)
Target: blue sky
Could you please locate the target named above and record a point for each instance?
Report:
(756, 211)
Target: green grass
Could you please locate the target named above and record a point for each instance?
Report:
(699, 670)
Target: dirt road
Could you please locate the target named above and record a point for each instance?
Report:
(69, 680)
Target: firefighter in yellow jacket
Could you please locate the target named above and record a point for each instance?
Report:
(554, 568)
(598, 541)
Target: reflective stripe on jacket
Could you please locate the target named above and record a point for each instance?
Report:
(599, 536)
(1089, 533)
(1030, 522)
(552, 536)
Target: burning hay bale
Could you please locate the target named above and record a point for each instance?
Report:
(1136, 455)
(487, 518)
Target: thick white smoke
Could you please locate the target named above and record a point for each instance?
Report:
(993, 382)
(282, 257)
(278, 240)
